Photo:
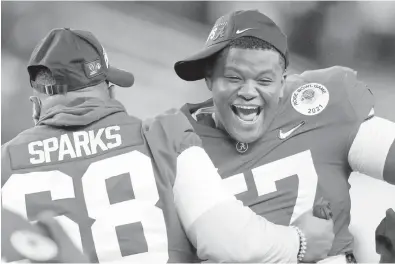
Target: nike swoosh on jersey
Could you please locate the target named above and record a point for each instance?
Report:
(243, 30)
(282, 135)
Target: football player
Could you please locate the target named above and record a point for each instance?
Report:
(280, 143)
(91, 164)
(204, 204)
(45, 241)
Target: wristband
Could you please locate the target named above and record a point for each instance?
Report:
(302, 243)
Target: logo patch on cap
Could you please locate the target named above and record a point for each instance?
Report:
(93, 68)
(218, 30)
(310, 99)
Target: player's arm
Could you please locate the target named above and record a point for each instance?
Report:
(217, 224)
(372, 151)
(372, 148)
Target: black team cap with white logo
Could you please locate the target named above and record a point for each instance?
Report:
(227, 28)
(76, 60)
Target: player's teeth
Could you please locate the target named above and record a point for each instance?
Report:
(247, 113)
(247, 107)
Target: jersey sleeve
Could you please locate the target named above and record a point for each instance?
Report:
(168, 135)
(6, 170)
(220, 227)
(360, 98)
(371, 143)
(357, 94)
(174, 128)
(373, 149)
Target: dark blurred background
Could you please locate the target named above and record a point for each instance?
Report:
(148, 37)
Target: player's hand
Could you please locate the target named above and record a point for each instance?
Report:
(319, 236)
(385, 238)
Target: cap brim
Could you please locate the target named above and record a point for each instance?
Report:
(193, 68)
(120, 77)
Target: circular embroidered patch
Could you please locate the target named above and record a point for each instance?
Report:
(310, 99)
(33, 246)
(241, 147)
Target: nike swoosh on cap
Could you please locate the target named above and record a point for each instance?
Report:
(243, 30)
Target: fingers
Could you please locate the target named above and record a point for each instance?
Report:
(322, 209)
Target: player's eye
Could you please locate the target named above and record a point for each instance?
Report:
(233, 78)
(265, 82)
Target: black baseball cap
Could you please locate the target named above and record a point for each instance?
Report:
(76, 60)
(227, 28)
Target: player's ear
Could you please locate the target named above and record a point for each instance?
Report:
(36, 108)
(111, 91)
(283, 83)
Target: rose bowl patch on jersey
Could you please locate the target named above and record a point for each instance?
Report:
(310, 99)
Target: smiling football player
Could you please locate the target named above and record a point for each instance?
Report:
(281, 143)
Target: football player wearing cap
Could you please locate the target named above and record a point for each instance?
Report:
(280, 143)
(91, 164)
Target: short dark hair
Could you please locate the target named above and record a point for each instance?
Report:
(43, 76)
(246, 42)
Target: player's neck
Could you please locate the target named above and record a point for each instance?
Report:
(218, 123)
(55, 100)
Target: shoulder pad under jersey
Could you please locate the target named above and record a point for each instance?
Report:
(173, 129)
(340, 80)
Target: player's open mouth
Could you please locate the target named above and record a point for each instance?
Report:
(247, 113)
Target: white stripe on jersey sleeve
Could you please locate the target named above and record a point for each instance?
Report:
(370, 147)
(218, 225)
(198, 186)
(230, 232)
